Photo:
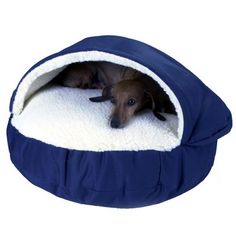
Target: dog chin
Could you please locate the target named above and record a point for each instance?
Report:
(122, 126)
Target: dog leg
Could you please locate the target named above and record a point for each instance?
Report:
(159, 116)
(98, 99)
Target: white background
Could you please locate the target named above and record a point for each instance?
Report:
(199, 34)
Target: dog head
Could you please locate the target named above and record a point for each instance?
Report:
(78, 75)
(128, 97)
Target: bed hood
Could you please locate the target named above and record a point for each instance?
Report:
(203, 116)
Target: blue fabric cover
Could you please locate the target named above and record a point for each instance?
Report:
(129, 178)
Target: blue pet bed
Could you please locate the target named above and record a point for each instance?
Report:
(62, 142)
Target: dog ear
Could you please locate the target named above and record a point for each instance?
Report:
(153, 104)
(149, 96)
(107, 92)
(106, 95)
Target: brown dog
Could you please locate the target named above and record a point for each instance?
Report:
(77, 75)
(94, 74)
(132, 96)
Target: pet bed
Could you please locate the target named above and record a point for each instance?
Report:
(62, 142)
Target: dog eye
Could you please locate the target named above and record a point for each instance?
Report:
(131, 102)
(113, 100)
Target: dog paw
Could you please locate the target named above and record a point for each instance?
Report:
(159, 116)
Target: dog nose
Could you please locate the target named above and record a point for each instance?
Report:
(115, 123)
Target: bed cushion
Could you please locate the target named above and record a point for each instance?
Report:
(62, 142)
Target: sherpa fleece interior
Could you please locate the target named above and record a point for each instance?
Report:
(65, 117)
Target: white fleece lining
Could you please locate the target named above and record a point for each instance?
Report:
(42, 74)
(65, 117)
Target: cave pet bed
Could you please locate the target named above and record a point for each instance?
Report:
(62, 142)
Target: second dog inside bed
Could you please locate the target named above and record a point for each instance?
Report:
(65, 117)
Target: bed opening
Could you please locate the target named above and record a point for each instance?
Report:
(65, 116)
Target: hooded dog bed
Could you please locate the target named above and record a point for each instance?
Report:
(62, 142)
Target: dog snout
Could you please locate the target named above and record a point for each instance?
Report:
(115, 123)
